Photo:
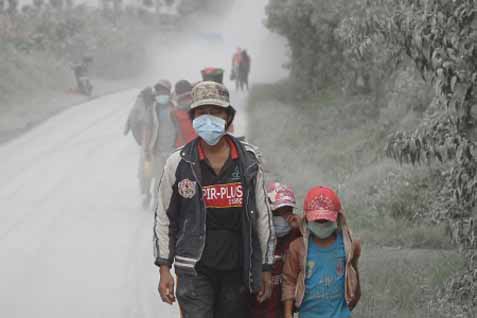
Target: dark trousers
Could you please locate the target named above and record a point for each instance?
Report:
(213, 294)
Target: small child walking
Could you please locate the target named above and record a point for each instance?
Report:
(320, 276)
(282, 202)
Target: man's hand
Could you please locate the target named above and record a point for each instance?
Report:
(166, 285)
(265, 288)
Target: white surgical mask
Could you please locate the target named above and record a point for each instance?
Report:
(210, 128)
(163, 99)
(281, 225)
(322, 230)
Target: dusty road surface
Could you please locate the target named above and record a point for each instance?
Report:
(74, 240)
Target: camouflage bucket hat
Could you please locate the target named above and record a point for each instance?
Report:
(210, 93)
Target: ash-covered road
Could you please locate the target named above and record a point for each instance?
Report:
(74, 239)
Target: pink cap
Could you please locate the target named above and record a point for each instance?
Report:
(321, 203)
(280, 195)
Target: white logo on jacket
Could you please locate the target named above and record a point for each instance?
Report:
(187, 188)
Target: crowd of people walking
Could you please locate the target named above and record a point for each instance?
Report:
(235, 241)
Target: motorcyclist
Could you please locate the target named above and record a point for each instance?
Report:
(81, 73)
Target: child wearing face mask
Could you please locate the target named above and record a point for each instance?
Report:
(320, 276)
(282, 202)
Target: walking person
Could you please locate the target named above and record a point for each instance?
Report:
(244, 70)
(282, 202)
(139, 122)
(235, 72)
(185, 133)
(158, 137)
(212, 220)
(320, 276)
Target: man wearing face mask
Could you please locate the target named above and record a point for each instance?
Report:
(212, 219)
(282, 202)
(320, 276)
(158, 135)
(164, 108)
(139, 122)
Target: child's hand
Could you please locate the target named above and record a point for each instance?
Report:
(294, 221)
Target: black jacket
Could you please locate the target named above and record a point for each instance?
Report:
(180, 214)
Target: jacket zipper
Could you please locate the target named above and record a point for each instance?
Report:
(204, 219)
(250, 271)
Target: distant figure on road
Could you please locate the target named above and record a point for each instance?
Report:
(244, 70)
(236, 60)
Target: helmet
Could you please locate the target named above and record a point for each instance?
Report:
(280, 195)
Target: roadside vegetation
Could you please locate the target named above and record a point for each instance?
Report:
(339, 141)
(394, 82)
(39, 43)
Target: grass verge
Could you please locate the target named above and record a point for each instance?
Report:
(337, 141)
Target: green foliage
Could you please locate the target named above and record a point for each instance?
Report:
(336, 141)
(309, 27)
(440, 37)
(118, 48)
(330, 39)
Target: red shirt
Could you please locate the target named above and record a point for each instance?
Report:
(185, 131)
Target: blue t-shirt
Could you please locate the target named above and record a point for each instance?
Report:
(325, 281)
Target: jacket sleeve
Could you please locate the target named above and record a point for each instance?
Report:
(265, 228)
(291, 270)
(165, 210)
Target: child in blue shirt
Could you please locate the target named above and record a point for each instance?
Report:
(320, 276)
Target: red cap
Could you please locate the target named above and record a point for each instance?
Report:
(321, 203)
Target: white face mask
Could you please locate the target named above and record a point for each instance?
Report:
(322, 230)
(281, 225)
(163, 99)
(210, 128)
